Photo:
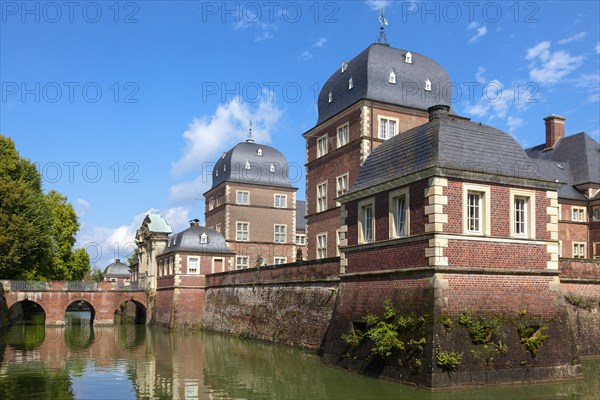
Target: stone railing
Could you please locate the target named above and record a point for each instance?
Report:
(70, 286)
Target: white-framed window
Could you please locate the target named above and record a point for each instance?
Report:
(259, 152)
(366, 221)
(338, 242)
(242, 231)
(596, 214)
(344, 67)
(247, 165)
(522, 213)
(242, 262)
(578, 250)
(279, 260)
(280, 233)
(330, 97)
(203, 238)
(217, 265)
(350, 83)
(193, 265)
(388, 127)
(341, 186)
(343, 135)
(476, 209)
(272, 168)
(399, 214)
(322, 245)
(322, 197)
(280, 201)
(218, 228)
(242, 197)
(322, 146)
(392, 78)
(428, 85)
(211, 203)
(408, 58)
(577, 214)
(300, 240)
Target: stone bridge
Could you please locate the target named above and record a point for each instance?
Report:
(102, 298)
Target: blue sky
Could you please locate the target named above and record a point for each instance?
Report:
(125, 106)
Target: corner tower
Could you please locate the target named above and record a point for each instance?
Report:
(253, 205)
(380, 93)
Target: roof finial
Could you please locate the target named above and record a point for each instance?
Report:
(250, 137)
(382, 38)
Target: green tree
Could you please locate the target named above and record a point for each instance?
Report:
(24, 216)
(37, 231)
(134, 257)
(65, 263)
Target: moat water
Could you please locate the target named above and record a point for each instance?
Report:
(137, 362)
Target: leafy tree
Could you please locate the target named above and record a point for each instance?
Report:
(134, 257)
(96, 275)
(24, 216)
(37, 231)
(64, 228)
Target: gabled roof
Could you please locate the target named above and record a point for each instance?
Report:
(581, 152)
(445, 142)
(370, 71)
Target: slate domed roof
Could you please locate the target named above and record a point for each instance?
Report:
(370, 71)
(190, 241)
(446, 142)
(117, 270)
(249, 162)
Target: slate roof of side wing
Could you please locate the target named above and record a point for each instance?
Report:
(448, 143)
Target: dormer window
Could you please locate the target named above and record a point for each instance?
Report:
(224, 168)
(330, 97)
(344, 67)
(247, 164)
(223, 156)
(350, 83)
(392, 76)
(259, 152)
(217, 172)
(428, 85)
(203, 238)
(408, 58)
(272, 168)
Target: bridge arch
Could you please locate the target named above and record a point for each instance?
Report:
(131, 310)
(24, 310)
(81, 305)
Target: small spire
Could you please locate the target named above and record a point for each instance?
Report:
(250, 137)
(382, 38)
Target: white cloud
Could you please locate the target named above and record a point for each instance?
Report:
(319, 44)
(207, 137)
(479, 75)
(514, 123)
(82, 207)
(550, 67)
(248, 19)
(104, 244)
(376, 5)
(590, 84)
(574, 38)
(480, 31)
(306, 55)
(495, 101)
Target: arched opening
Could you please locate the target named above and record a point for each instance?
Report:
(26, 312)
(131, 311)
(26, 330)
(79, 313)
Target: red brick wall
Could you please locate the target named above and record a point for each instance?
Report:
(468, 253)
(580, 270)
(303, 271)
(408, 255)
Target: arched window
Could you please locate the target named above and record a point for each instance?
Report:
(408, 58)
(428, 85)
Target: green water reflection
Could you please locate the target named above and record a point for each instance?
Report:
(138, 362)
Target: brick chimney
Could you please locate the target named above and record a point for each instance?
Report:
(555, 130)
(438, 111)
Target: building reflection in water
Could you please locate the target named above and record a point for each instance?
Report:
(78, 361)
